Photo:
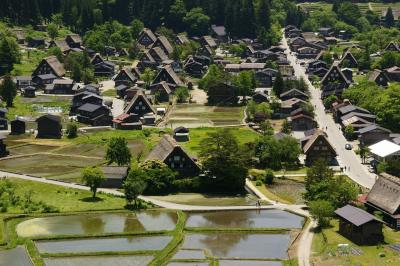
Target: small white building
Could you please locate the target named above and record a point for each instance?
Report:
(384, 149)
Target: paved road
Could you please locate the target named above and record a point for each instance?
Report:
(355, 169)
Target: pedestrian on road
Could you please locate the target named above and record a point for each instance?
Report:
(349, 168)
(345, 168)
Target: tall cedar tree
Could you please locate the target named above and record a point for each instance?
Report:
(118, 152)
(8, 90)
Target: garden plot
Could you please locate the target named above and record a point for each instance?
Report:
(66, 168)
(98, 223)
(99, 261)
(192, 115)
(111, 244)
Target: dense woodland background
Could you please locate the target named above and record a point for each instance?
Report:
(242, 18)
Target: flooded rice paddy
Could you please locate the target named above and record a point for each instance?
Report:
(91, 224)
(104, 244)
(245, 219)
(248, 263)
(15, 257)
(190, 254)
(99, 261)
(240, 245)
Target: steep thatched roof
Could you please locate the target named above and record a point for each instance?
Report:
(57, 67)
(385, 194)
(318, 135)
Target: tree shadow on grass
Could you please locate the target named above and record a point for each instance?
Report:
(91, 199)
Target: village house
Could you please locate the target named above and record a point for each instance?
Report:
(302, 122)
(359, 226)
(340, 112)
(36, 42)
(125, 77)
(163, 43)
(161, 91)
(219, 33)
(370, 118)
(23, 81)
(61, 86)
(147, 37)
(260, 97)
(385, 198)
(384, 150)
(62, 45)
(307, 52)
(95, 115)
(266, 77)
(392, 47)
(290, 105)
(49, 126)
(28, 92)
(393, 73)
(42, 80)
(74, 40)
(193, 68)
(356, 122)
(84, 97)
(139, 105)
(114, 176)
(248, 51)
(235, 68)
(127, 122)
(335, 75)
(208, 41)
(373, 134)
(379, 77)
(156, 54)
(181, 39)
(317, 147)
(168, 75)
(3, 123)
(348, 60)
(50, 65)
(169, 152)
(293, 93)
(102, 67)
(20, 35)
(18, 126)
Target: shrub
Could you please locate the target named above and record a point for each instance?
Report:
(72, 130)
(258, 183)
(146, 132)
(269, 177)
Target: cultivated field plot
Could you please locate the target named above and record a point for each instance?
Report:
(66, 168)
(202, 116)
(310, 7)
(379, 7)
(208, 200)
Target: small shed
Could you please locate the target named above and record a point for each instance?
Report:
(359, 226)
(3, 147)
(3, 124)
(29, 92)
(49, 126)
(114, 176)
(181, 134)
(3, 112)
(18, 126)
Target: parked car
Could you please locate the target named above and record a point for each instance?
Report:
(348, 146)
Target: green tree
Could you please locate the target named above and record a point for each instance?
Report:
(389, 18)
(364, 152)
(322, 211)
(72, 130)
(8, 90)
(92, 177)
(246, 83)
(349, 132)
(197, 22)
(278, 85)
(286, 127)
(148, 76)
(328, 101)
(56, 51)
(177, 12)
(52, 30)
(136, 28)
(118, 151)
(158, 176)
(269, 177)
(134, 185)
(182, 94)
(9, 54)
(221, 148)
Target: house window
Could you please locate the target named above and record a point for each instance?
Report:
(316, 148)
(324, 148)
(177, 158)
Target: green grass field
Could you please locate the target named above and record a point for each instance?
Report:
(208, 200)
(326, 252)
(243, 134)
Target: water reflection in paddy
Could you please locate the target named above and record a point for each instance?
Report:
(103, 244)
(99, 261)
(15, 257)
(245, 219)
(240, 245)
(248, 263)
(97, 223)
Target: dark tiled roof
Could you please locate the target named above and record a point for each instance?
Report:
(355, 215)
